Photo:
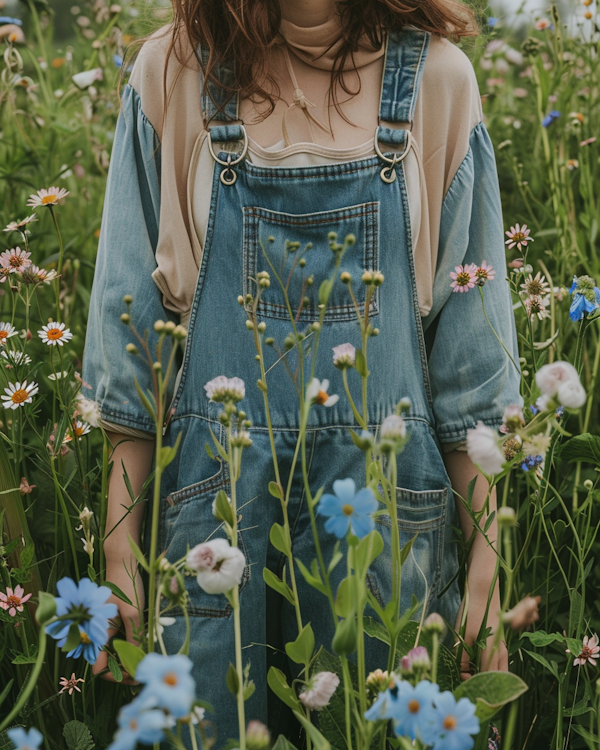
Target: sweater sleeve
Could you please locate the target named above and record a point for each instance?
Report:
(124, 265)
(472, 377)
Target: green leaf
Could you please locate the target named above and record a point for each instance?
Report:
(275, 490)
(27, 555)
(232, 679)
(78, 736)
(139, 555)
(590, 738)
(278, 585)
(325, 291)
(220, 450)
(319, 742)
(279, 538)
(73, 638)
(118, 593)
(91, 572)
(344, 598)
(6, 691)
(223, 508)
(26, 658)
(541, 638)
(249, 689)
(46, 608)
(367, 550)
(278, 684)
(145, 400)
(129, 654)
(283, 744)
(552, 667)
(360, 363)
(209, 450)
(115, 669)
(490, 691)
(301, 650)
(313, 579)
(344, 639)
(406, 548)
(584, 447)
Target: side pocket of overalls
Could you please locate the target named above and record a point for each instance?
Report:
(421, 519)
(187, 520)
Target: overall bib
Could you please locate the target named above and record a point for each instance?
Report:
(251, 203)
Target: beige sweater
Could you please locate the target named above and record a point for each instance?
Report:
(447, 109)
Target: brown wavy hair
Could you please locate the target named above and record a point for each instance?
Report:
(245, 32)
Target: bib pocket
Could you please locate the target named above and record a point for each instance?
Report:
(422, 517)
(187, 520)
(260, 224)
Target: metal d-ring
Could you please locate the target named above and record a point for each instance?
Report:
(229, 176)
(388, 174)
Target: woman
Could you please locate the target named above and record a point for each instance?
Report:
(188, 204)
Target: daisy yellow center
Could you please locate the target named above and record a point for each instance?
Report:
(449, 722)
(519, 237)
(347, 509)
(84, 637)
(15, 260)
(54, 334)
(414, 706)
(463, 278)
(322, 397)
(19, 396)
(535, 288)
(170, 679)
(3, 335)
(13, 601)
(48, 199)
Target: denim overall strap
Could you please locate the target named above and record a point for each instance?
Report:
(217, 103)
(404, 62)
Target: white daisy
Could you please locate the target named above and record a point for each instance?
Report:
(221, 389)
(55, 333)
(14, 356)
(317, 393)
(15, 260)
(57, 375)
(344, 356)
(49, 197)
(18, 394)
(6, 331)
(16, 225)
(80, 429)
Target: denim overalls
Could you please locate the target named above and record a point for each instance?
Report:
(250, 203)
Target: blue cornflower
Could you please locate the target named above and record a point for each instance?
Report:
(85, 604)
(530, 462)
(454, 722)
(414, 711)
(8, 19)
(492, 21)
(139, 721)
(384, 706)
(586, 297)
(549, 119)
(348, 509)
(25, 740)
(168, 682)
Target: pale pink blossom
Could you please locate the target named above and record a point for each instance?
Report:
(589, 653)
(218, 565)
(13, 601)
(70, 684)
(519, 236)
(319, 690)
(463, 277)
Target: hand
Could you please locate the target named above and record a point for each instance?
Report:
(128, 614)
(492, 659)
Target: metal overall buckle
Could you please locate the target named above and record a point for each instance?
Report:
(388, 173)
(229, 176)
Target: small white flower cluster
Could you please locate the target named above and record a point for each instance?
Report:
(218, 565)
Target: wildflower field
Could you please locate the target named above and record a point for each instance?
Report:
(539, 79)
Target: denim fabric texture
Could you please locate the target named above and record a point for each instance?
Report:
(462, 377)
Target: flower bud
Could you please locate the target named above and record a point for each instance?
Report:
(269, 341)
(506, 517)
(332, 236)
(169, 327)
(367, 277)
(588, 484)
(159, 326)
(157, 367)
(240, 299)
(378, 278)
(128, 299)
(350, 240)
(302, 262)
(316, 326)
(345, 277)
(131, 348)
(344, 640)
(249, 325)
(179, 333)
(262, 326)
(434, 623)
(258, 736)
(125, 319)
(270, 238)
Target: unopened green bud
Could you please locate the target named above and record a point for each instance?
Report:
(262, 326)
(506, 517)
(404, 405)
(131, 348)
(289, 342)
(248, 299)
(375, 332)
(316, 326)
(128, 299)
(378, 278)
(367, 277)
(159, 326)
(309, 245)
(249, 325)
(180, 332)
(257, 357)
(588, 484)
(350, 240)
(262, 385)
(157, 367)
(302, 262)
(269, 341)
(271, 238)
(305, 302)
(169, 326)
(344, 640)
(240, 299)
(332, 236)
(125, 319)
(310, 281)
(345, 277)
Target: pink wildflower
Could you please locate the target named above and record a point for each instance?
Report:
(463, 277)
(70, 684)
(13, 600)
(519, 236)
(484, 273)
(589, 652)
